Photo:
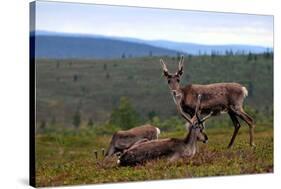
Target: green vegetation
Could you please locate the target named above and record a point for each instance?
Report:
(67, 157)
(81, 103)
(95, 89)
(124, 116)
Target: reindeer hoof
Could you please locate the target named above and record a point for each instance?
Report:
(229, 146)
(253, 145)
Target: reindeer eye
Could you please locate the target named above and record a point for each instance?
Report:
(178, 80)
(169, 81)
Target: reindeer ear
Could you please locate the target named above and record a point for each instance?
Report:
(180, 67)
(164, 67)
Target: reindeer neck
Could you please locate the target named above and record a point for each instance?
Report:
(177, 96)
(191, 137)
(178, 92)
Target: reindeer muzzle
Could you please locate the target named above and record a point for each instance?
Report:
(174, 92)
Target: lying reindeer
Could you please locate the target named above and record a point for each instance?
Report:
(122, 140)
(172, 148)
(216, 98)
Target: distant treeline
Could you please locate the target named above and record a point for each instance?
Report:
(75, 93)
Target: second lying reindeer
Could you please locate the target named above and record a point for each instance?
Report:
(122, 140)
(172, 148)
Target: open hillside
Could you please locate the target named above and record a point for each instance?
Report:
(80, 104)
(94, 87)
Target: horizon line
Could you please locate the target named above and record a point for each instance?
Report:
(151, 40)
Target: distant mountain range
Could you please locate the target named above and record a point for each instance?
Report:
(63, 45)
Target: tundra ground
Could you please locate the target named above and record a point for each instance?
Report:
(65, 158)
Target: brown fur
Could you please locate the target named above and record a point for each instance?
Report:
(122, 140)
(171, 147)
(216, 98)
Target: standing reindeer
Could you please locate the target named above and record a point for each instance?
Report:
(216, 98)
(172, 148)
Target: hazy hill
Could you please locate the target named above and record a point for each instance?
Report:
(197, 49)
(86, 47)
(82, 46)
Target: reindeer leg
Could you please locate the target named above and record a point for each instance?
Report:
(245, 117)
(251, 124)
(187, 125)
(236, 128)
(174, 158)
(137, 143)
(111, 150)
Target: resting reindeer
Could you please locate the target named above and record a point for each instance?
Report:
(122, 140)
(170, 147)
(216, 98)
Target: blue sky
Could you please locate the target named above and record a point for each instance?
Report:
(155, 24)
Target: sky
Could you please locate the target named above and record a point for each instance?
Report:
(200, 27)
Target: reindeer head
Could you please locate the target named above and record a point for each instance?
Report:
(173, 79)
(197, 130)
(196, 123)
(200, 134)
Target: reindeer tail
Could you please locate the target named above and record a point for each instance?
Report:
(245, 91)
(157, 132)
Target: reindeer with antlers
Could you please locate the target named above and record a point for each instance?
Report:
(216, 98)
(172, 148)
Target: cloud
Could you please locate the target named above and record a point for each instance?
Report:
(151, 24)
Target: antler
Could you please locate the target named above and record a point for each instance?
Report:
(181, 62)
(164, 67)
(201, 121)
(183, 113)
(206, 117)
(180, 67)
(197, 112)
(197, 108)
